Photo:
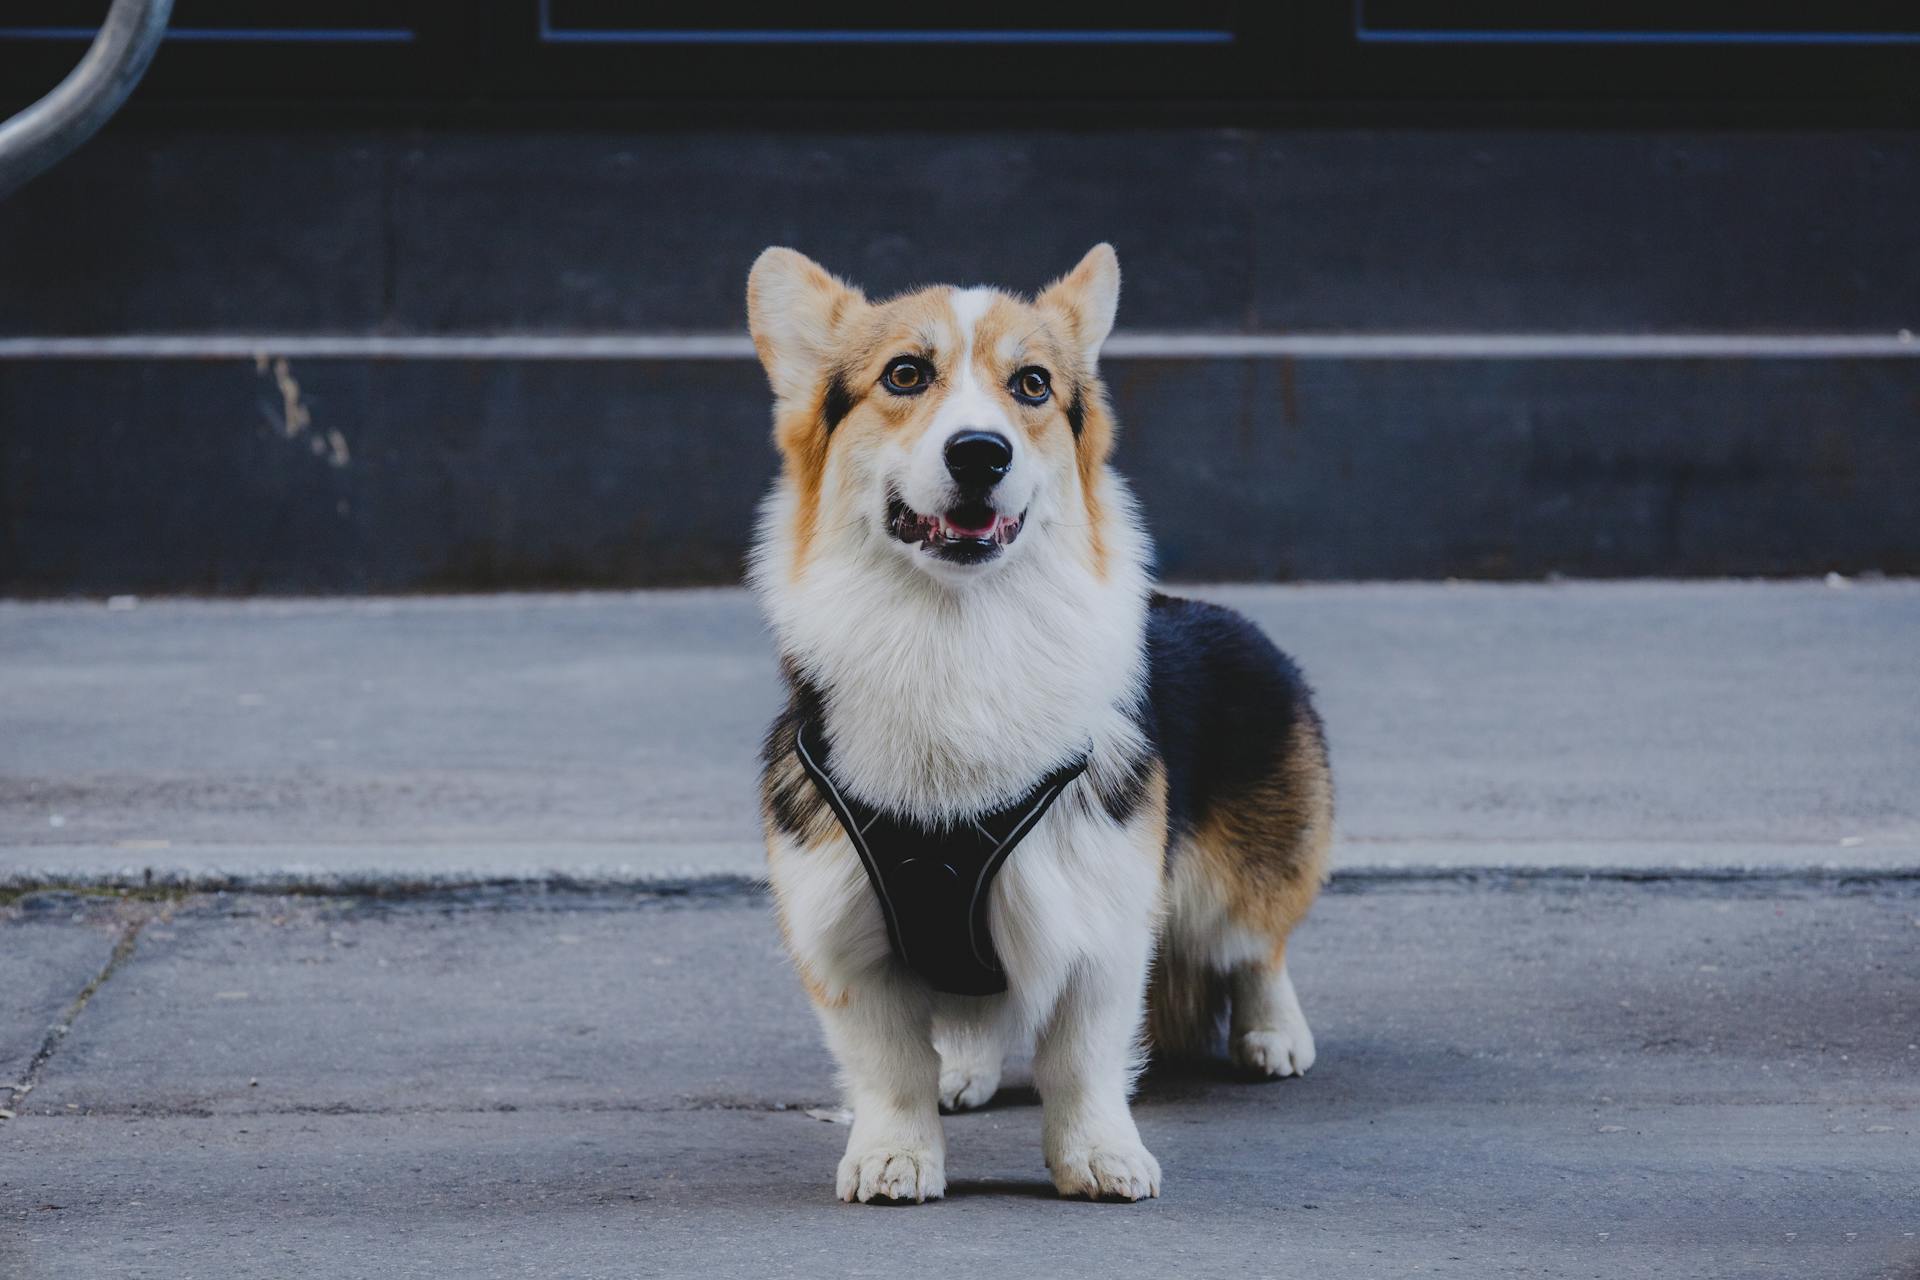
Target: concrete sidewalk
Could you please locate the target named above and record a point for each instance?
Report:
(1620, 976)
(1632, 728)
(1626, 1080)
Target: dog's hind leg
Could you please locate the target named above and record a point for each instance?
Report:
(1270, 1032)
(972, 1051)
(1267, 852)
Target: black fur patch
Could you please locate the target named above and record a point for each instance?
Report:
(1123, 795)
(837, 403)
(1221, 706)
(1077, 413)
(792, 803)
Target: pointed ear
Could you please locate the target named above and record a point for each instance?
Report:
(1086, 299)
(795, 307)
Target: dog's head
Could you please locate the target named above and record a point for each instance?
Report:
(954, 427)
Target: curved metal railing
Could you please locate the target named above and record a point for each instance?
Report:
(47, 131)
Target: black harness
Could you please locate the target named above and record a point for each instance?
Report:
(932, 883)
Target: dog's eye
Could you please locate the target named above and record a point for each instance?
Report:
(1032, 385)
(908, 376)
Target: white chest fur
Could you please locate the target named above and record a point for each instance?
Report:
(942, 701)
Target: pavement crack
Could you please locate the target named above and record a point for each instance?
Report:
(577, 892)
(122, 951)
(679, 1106)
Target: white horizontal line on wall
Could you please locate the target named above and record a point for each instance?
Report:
(1122, 346)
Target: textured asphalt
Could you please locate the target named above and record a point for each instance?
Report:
(1533, 1079)
(1621, 977)
(1610, 726)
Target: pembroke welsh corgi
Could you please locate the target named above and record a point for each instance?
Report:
(1016, 795)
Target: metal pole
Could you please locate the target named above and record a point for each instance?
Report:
(45, 132)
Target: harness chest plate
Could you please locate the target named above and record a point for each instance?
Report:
(933, 883)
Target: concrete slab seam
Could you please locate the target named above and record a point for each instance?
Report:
(122, 951)
(1350, 879)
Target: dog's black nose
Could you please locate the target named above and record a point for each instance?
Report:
(979, 459)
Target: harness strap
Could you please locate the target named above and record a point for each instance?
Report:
(932, 883)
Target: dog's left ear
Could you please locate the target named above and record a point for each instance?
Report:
(1086, 299)
(795, 308)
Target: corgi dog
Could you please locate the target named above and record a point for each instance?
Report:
(1016, 795)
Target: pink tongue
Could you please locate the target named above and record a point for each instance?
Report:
(971, 531)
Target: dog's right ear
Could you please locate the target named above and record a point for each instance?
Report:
(795, 308)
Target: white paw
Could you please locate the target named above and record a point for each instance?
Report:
(1276, 1051)
(965, 1085)
(1122, 1170)
(892, 1173)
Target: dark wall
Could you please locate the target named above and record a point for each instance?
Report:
(1239, 231)
(142, 474)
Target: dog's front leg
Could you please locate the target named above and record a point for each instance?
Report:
(1083, 1064)
(882, 1035)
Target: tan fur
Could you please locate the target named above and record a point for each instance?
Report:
(1072, 299)
(1096, 442)
(798, 314)
(1265, 854)
(1065, 303)
(1155, 829)
(809, 326)
(1268, 850)
(804, 447)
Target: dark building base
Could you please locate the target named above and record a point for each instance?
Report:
(409, 475)
(360, 474)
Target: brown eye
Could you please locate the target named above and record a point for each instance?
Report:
(907, 376)
(1032, 385)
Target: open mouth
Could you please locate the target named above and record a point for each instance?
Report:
(968, 534)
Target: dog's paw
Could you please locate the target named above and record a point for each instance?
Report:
(1122, 1170)
(1275, 1051)
(966, 1085)
(892, 1173)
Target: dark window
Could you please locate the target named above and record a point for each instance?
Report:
(1323, 61)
